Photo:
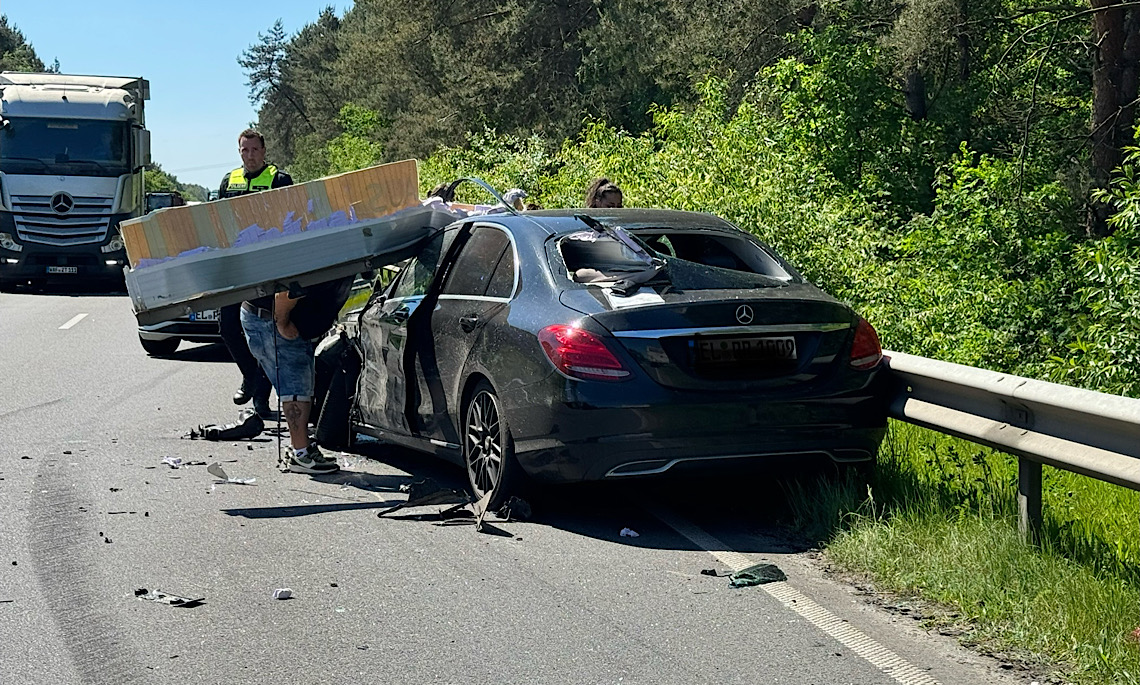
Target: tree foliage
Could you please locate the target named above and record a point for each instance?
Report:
(16, 53)
(156, 180)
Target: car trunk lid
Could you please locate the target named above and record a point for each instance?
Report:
(729, 339)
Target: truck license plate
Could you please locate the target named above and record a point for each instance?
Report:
(63, 269)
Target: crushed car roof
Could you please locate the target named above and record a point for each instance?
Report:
(560, 221)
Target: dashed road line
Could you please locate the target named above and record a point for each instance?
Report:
(838, 629)
(74, 320)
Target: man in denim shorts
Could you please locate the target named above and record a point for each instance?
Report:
(280, 330)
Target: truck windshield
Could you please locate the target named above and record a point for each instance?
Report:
(64, 147)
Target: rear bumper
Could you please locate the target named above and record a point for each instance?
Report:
(190, 331)
(582, 440)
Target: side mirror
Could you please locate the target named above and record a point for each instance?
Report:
(142, 146)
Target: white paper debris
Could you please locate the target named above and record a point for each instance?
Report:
(218, 472)
(642, 298)
(283, 593)
(172, 462)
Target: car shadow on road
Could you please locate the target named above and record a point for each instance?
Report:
(748, 510)
(208, 352)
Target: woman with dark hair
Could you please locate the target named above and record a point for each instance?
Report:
(603, 194)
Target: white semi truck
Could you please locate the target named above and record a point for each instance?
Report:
(73, 150)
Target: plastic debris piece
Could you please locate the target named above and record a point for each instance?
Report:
(167, 598)
(515, 509)
(757, 575)
(629, 533)
(283, 593)
(218, 472)
(427, 492)
(172, 462)
(248, 426)
(709, 572)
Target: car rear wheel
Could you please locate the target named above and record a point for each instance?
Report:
(488, 451)
(160, 348)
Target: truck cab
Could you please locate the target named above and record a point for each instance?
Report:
(72, 154)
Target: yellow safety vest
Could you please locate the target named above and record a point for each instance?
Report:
(263, 181)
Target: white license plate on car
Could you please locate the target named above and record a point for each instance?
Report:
(63, 269)
(733, 350)
(208, 315)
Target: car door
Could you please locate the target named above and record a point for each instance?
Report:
(383, 336)
(478, 287)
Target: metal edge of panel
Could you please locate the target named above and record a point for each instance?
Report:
(192, 283)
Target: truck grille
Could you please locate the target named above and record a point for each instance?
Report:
(86, 223)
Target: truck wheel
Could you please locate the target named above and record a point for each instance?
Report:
(160, 348)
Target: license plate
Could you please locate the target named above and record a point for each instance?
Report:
(208, 315)
(63, 269)
(737, 350)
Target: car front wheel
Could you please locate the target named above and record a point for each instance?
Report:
(488, 451)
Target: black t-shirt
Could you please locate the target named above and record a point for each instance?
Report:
(316, 310)
(280, 180)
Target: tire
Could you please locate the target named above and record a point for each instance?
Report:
(488, 451)
(160, 348)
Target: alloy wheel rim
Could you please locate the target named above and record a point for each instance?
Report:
(484, 448)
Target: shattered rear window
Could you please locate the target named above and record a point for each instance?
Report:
(595, 258)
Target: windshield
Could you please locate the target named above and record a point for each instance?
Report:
(64, 147)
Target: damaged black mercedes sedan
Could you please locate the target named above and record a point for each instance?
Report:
(584, 345)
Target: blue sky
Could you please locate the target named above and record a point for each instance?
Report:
(188, 51)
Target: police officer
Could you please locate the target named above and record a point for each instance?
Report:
(253, 175)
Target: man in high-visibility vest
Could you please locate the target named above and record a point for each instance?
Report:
(253, 175)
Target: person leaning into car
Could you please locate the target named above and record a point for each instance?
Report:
(253, 175)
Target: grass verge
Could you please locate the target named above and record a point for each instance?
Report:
(939, 522)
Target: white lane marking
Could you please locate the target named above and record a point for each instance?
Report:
(74, 320)
(841, 631)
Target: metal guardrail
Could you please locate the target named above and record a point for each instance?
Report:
(1090, 433)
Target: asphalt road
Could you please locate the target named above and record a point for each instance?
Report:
(91, 514)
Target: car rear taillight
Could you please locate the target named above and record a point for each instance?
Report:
(866, 351)
(581, 354)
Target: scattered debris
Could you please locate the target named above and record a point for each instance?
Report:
(757, 575)
(427, 492)
(480, 508)
(107, 540)
(515, 509)
(167, 598)
(178, 462)
(217, 471)
(249, 426)
(25, 457)
(333, 585)
(115, 489)
(283, 593)
(629, 533)
(14, 563)
(6, 601)
(67, 451)
(709, 572)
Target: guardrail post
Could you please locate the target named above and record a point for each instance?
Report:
(1029, 499)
